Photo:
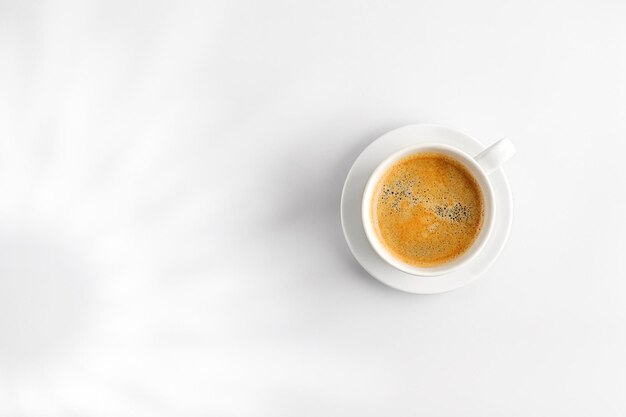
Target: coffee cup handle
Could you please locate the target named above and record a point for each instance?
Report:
(496, 155)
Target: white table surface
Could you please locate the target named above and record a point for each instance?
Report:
(170, 175)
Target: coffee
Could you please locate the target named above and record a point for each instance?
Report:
(427, 209)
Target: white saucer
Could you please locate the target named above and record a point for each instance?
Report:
(352, 225)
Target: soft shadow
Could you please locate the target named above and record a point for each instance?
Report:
(311, 175)
(44, 301)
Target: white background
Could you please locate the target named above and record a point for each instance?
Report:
(170, 175)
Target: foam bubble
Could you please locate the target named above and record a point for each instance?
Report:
(427, 209)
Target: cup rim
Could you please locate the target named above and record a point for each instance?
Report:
(477, 245)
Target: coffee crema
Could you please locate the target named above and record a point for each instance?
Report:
(427, 209)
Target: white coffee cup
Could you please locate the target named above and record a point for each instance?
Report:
(479, 166)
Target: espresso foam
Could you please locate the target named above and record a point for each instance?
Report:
(427, 209)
